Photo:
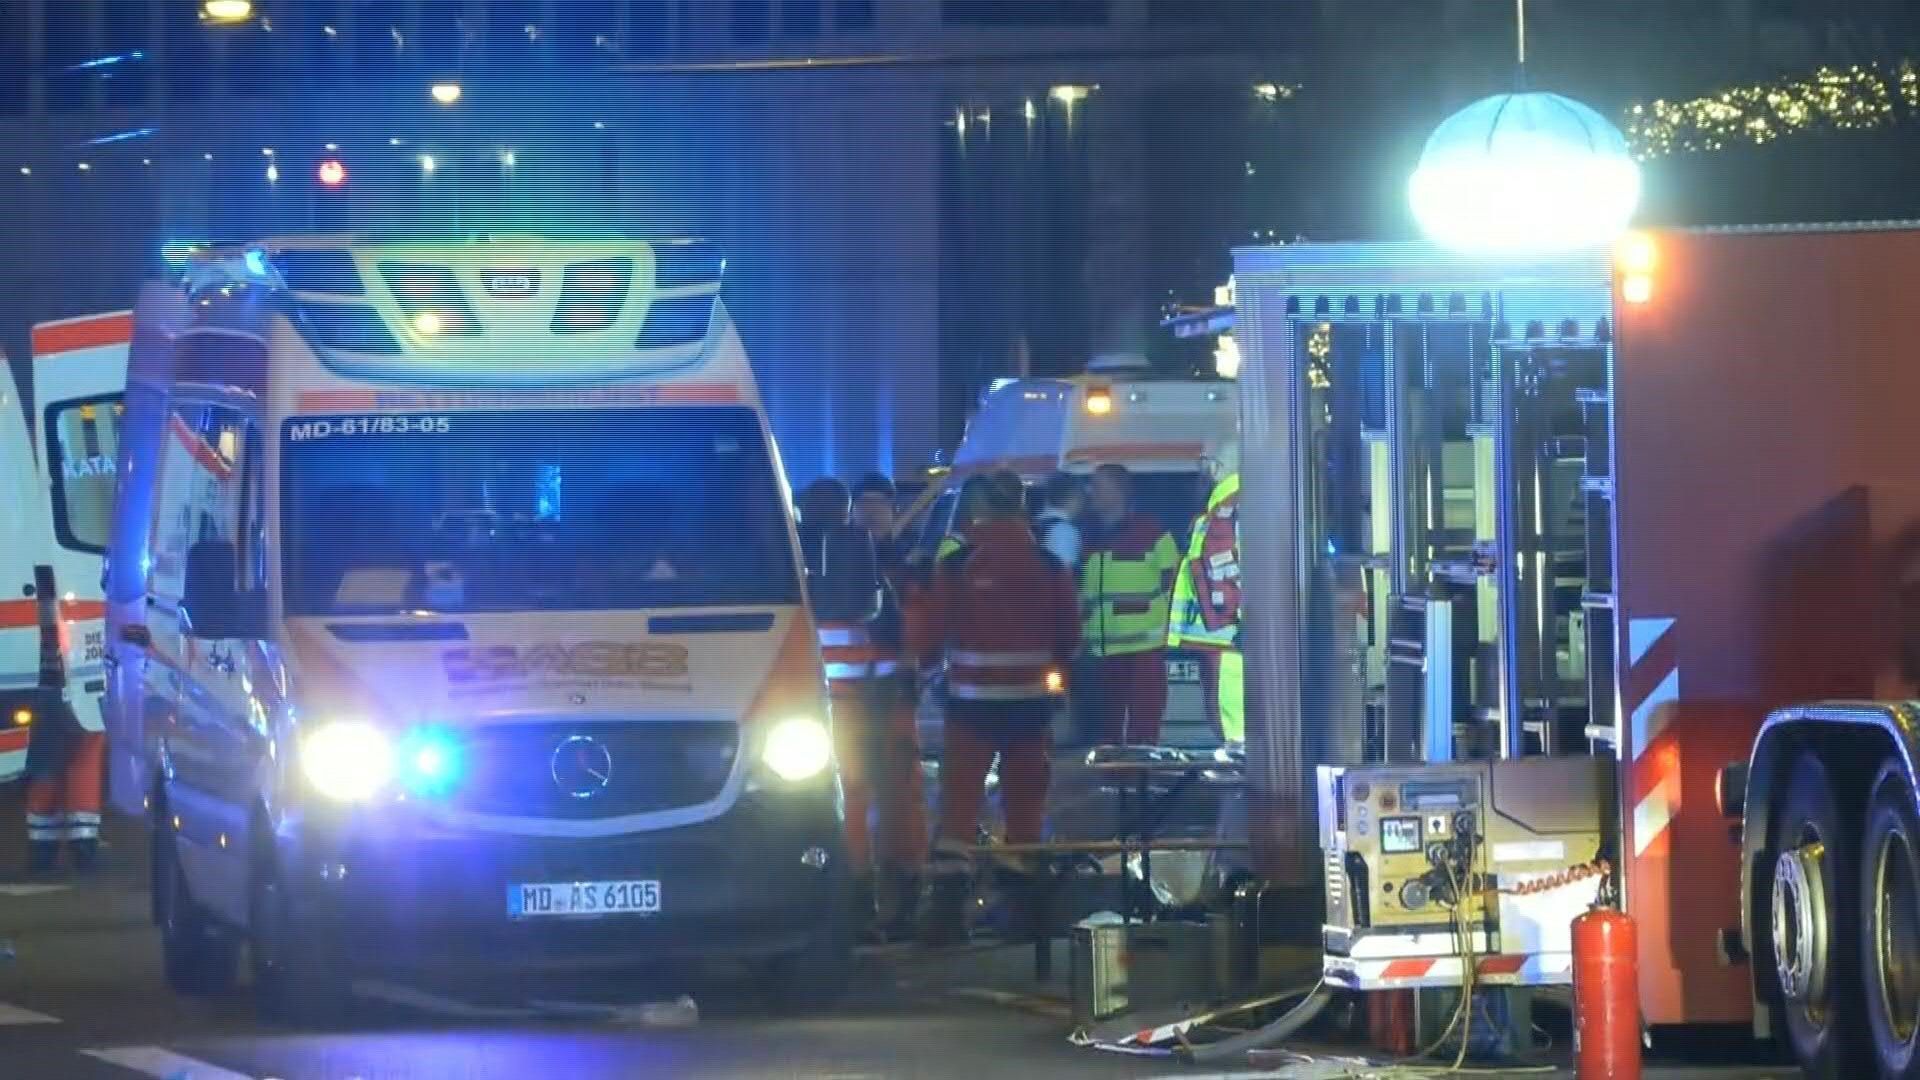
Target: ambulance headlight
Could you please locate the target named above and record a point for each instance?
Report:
(798, 748)
(347, 760)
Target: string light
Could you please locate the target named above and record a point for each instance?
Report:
(1857, 97)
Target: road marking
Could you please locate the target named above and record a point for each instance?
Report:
(162, 1064)
(32, 890)
(15, 1016)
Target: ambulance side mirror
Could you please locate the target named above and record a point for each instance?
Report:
(213, 605)
(847, 588)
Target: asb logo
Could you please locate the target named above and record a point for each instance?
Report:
(511, 284)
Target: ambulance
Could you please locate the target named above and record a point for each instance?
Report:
(460, 626)
(24, 534)
(1119, 411)
(61, 489)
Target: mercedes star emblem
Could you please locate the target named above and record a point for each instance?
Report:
(582, 767)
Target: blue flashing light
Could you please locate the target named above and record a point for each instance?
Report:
(108, 61)
(122, 136)
(430, 762)
(256, 263)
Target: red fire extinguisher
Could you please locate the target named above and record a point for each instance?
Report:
(1606, 996)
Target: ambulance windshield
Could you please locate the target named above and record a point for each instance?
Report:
(531, 511)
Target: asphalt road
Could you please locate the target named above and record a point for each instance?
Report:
(82, 997)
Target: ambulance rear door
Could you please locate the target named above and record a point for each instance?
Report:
(79, 392)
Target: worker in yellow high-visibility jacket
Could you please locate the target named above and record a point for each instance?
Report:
(1206, 599)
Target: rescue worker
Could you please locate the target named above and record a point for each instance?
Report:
(874, 507)
(1126, 590)
(1002, 610)
(1206, 599)
(894, 743)
(66, 756)
(973, 498)
(1063, 500)
(860, 649)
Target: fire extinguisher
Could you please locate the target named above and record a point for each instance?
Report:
(1606, 996)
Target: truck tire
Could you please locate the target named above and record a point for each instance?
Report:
(200, 957)
(1811, 915)
(293, 985)
(1890, 924)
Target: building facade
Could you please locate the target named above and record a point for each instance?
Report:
(917, 195)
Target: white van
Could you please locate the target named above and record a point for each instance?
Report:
(1159, 428)
(470, 630)
(59, 491)
(79, 383)
(24, 538)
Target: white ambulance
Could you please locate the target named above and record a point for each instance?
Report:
(460, 624)
(79, 383)
(1119, 411)
(60, 487)
(24, 536)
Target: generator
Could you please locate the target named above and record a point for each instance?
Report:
(1428, 865)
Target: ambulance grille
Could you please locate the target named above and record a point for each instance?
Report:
(655, 766)
(591, 295)
(320, 272)
(349, 328)
(676, 320)
(686, 263)
(420, 289)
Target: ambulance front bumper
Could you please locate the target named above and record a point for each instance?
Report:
(760, 881)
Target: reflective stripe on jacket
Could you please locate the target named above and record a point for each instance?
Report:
(1126, 588)
(849, 653)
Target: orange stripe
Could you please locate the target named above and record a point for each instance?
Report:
(12, 739)
(89, 332)
(1406, 969)
(1501, 965)
(321, 400)
(1137, 451)
(18, 613)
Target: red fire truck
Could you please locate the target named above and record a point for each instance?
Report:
(1657, 508)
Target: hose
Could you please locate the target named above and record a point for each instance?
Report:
(1284, 1028)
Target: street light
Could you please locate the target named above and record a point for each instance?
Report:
(446, 93)
(226, 12)
(1525, 172)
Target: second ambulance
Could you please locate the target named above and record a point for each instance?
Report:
(459, 623)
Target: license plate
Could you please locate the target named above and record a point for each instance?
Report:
(1183, 671)
(571, 898)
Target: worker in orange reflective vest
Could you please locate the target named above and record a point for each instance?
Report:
(66, 755)
(875, 740)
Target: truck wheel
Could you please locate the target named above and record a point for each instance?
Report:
(1890, 924)
(817, 974)
(199, 956)
(1814, 876)
(293, 985)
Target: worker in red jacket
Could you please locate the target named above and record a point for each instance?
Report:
(1003, 611)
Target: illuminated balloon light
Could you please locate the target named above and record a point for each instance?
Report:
(1524, 172)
